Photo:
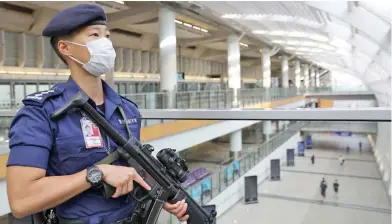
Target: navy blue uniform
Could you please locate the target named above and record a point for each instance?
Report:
(59, 147)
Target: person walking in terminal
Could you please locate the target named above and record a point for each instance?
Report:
(336, 187)
(323, 187)
(341, 160)
(312, 159)
(51, 163)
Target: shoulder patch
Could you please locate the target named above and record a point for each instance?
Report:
(39, 98)
(123, 97)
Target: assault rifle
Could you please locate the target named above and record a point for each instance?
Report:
(164, 174)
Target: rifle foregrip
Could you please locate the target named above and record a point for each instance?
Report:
(196, 214)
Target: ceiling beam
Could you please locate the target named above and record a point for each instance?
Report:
(205, 40)
(217, 55)
(40, 19)
(131, 16)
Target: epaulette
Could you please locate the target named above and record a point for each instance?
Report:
(129, 101)
(39, 98)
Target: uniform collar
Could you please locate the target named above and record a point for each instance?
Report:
(72, 88)
(112, 99)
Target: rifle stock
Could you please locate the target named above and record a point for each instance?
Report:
(166, 188)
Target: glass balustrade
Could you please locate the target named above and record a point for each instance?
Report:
(200, 99)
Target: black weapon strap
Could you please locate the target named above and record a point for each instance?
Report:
(109, 159)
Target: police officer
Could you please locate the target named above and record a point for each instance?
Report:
(51, 162)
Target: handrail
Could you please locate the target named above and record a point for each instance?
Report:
(209, 96)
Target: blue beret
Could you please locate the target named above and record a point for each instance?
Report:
(69, 19)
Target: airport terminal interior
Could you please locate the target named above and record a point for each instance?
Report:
(281, 109)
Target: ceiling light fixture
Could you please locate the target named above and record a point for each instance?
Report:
(278, 41)
(120, 2)
(190, 26)
(260, 31)
(187, 24)
(290, 48)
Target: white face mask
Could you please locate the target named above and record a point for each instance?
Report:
(102, 57)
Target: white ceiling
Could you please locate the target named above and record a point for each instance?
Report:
(345, 37)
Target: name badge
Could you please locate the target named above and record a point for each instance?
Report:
(91, 134)
(129, 121)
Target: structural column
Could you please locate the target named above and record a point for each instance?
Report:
(285, 72)
(234, 66)
(168, 54)
(266, 67)
(313, 77)
(266, 130)
(235, 144)
(285, 83)
(306, 75)
(266, 70)
(258, 131)
(317, 78)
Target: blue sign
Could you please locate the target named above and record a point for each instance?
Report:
(301, 148)
(180, 76)
(341, 133)
(229, 172)
(345, 133)
(196, 192)
(308, 142)
(236, 167)
(206, 186)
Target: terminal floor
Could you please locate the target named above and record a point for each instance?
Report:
(296, 198)
(211, 155)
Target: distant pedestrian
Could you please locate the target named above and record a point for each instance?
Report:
(312, 159)
(360, 147)
(336, 187)
(323, 187)
(347, 149)
(341, 160)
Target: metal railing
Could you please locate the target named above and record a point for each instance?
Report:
(205, 99)
(341, 126)
(208, 188)
(221, 99)
(199, 99)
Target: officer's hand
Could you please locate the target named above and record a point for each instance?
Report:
(122, 177)
(178, 209)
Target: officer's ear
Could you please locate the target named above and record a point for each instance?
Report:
(63, 47)
(54, 41)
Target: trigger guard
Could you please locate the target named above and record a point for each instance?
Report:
(138, 189)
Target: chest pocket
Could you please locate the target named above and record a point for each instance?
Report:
(133, 127)
(74, 156)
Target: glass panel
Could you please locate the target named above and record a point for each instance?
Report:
(5, 96)
(43, 87)
(31, 88)
(19, 93)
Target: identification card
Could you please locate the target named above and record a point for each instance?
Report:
(91, 134)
